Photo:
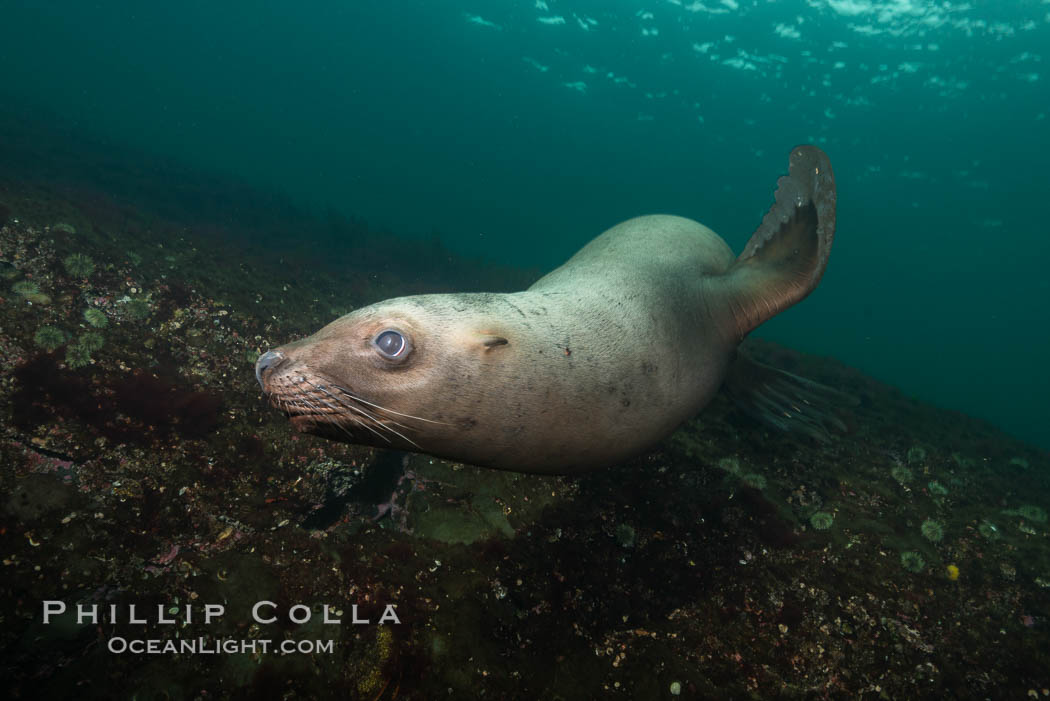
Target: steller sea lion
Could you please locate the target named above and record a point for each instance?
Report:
(596, 362)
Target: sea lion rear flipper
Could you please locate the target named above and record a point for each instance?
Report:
(783, 400)
(786, 256)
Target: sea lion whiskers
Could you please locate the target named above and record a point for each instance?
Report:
(332, 420)
(350, 400)
(295, 404)
(389, 411)
(334, 411)
(303, 399)
(383, 424)
(349, 405)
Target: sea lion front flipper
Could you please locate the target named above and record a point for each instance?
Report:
(783, 400)
(786, 256)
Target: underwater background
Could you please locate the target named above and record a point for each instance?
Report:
(186, 185)
(518, 131)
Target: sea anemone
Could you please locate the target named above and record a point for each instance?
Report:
(25, 288)
(901, 474)
(937, 489)
(912, 561)
(1032, 513)
(77, 356)
(79, 265)
(96, 317)
(138, 309)
(730, 465)
(754, 480)
(49, 338)
(625, 536)
(932, 530)
(989, 530)
(821, 520)
(91, 340)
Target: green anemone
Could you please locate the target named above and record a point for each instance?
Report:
(1032, 513)
(932, 530)
(821, 520)
(912, 561)
(754, 480)
(77, 356)
(625, 536)
(901, 474)
(91, 340)
(49, 337)
(937, 489)
(96, 317)
(25, 288)
(79, 265)
(989, 530)
(138, 309)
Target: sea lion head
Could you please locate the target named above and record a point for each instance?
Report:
(386, 374)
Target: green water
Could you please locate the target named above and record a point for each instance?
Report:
(519, 130)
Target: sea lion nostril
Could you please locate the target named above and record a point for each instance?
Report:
(267, 361)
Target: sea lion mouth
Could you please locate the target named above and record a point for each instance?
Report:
(316, 405)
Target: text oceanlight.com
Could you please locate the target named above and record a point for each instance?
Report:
(203, 646)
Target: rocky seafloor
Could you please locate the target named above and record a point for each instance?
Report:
(139, 464)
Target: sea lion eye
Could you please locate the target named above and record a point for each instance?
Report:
(390, 344)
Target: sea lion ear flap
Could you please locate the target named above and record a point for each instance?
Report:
(490, 341)
(786, 256)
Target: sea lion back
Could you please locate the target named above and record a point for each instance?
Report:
(644, 248)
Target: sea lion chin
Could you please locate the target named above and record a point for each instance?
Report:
(596, 362)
